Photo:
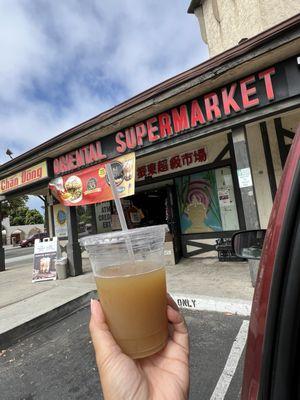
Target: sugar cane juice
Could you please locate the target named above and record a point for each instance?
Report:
(128, 268)
(133, 298)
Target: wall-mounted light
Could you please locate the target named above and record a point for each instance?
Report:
(9, 153)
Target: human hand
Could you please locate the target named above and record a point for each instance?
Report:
(162, 376)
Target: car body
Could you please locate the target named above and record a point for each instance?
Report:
(273, 347)
(30, 240)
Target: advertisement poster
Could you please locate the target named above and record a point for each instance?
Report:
(90, 185)
(45, 254)
(60, 220)
(198, 203)
(224, 197)
(244, 177)
(229, 216)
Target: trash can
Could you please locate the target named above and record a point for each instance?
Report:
(61, 267)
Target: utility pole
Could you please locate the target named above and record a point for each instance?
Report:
(2, 254)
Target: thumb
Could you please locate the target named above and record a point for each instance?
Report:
(103, 341)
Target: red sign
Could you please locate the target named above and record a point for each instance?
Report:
(91, 186)
(254, 90)
(175, 163)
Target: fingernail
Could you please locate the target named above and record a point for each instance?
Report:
(93, 306)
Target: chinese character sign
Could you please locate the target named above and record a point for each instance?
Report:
(175, 163)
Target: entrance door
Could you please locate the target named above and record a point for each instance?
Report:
(173, 221)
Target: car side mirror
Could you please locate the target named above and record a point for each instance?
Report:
(248, 244)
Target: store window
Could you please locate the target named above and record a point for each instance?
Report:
(84, 220)
(103, 214)
(206, 202)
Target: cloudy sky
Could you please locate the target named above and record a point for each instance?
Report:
(63, 62)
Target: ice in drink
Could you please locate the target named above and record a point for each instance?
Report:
(133, 297)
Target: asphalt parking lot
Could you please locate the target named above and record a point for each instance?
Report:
(58, 362)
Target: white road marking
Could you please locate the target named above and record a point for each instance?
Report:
(231, 363)
(218, 304)
(20, 258)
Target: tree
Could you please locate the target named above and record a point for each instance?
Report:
(18, 212)
(10, 207)
(33, 217)
(18, 216)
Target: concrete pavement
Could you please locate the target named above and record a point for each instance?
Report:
(202, 284)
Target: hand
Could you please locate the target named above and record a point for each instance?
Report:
(162, 376)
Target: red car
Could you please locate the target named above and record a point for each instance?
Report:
(272, 360)
(30, 241)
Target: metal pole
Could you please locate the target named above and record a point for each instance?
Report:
(2, 253)
(73, 247)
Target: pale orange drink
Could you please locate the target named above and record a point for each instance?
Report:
(132, 292)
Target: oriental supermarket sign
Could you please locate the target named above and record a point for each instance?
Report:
(24, 178)
(251, 92)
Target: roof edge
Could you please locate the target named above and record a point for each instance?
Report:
(194, 72)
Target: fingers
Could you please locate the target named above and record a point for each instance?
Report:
(103, 341)
(180, 332)
(171, 302)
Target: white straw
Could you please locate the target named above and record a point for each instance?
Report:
(119, 207)
(116, 197)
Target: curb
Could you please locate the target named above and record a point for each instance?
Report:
(13, 335)
(189, 302)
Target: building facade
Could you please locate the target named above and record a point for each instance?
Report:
(226, 23)
(210, 147)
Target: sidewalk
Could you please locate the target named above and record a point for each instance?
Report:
(199, 284)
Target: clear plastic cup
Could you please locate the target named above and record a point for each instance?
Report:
(130, 276)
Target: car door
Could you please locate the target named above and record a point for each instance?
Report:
(273, 346)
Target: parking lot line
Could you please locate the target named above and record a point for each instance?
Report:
(231, 363)
(207, 303)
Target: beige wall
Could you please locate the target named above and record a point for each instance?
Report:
(259, 174)
(274, 150)
(225, 22)
(290, 121)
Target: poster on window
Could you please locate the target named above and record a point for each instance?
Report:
(227, 201)
(206, 202)
(103, 217)
(60, 221)
(198, 203)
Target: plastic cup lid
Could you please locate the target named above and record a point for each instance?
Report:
(120, 236)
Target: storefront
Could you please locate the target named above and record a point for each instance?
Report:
(30, 180)
(210, 145)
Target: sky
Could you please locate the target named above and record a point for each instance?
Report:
(63, 62)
